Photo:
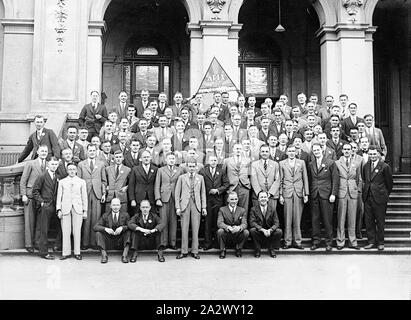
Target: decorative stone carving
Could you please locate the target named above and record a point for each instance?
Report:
(352, 6)
(216, 6)
(8, 195)
(61, 17)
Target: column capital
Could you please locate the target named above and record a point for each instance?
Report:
(345, 31)
(214, 28)
(18, 26)
(96, 28)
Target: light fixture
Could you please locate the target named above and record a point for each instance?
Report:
(279, 28)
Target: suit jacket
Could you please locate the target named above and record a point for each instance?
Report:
(121, 113)
(255, 148)
(274, 129)
(263, 137)
(328, 153)
(113, 140)
(180, 145)
(129, 161)
(262, 180)
(45, 190)
(377, 183)
(88, 118)
(303, 156)
(347, 125)
(158, 132)
(153, 222)
(219, 182)
(114, 184)
(336, 147)
(258, 221)
(377, 138)
(237, 175)
(72, 193)
(323, 182)
(182, 192)
(78, 150)
(116, 147)
(106, 221)
(140, 107)
(62, 170)
(165, 184)
(294, 181)
(106, 161)
(141, 184)
(350, 179)
(48, 138)
(226, 218)
(32, 170)
(278, 156)
(240, 134)
(96, 179)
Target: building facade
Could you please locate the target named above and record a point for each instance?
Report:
(54, 52)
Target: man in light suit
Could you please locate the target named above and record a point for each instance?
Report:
(70, 142)
(264, 226)
(164, 191)
(42, 136)
(162, 131)
(232, 226)
(191, 202)
(117, 177)
(93, 172)
(377, 186)
(323, 177)
(32, 170)
(294, 193)
(71, 206)
(238, 172)
(375, 135)
(93, 116)
(350, 182)
(265, 176)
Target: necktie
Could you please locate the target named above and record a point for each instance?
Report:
(52, 175)
(347, 163)
(191, 185)
(145, 219)
(212, 172)
(318, 165)
(265, 165)
(92, 165)
(117, 171)
(264, 211)
(43, 165)
(38, 135)
(116, 219)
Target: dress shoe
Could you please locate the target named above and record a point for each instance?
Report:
(369, 246)
(64, 257)
(30, 249)
(133, 257)
(104, 259)
(173, 247)
(380, 247)
(257, 254)
(181, 256)
(207, 248)
(94, 247)
(56, 248)
(340, 247)
(272, 253)
(222, 254)
(359, 236)
(238, 253)
(286, 247)
(84, 247)
(299, 247)
(354, 247)
(48, 256)
(78, 257)
(328, 248)
(195, 256)
(160, 257)
(314, 247)
(124, 259)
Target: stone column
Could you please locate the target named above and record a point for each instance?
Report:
(94, 56)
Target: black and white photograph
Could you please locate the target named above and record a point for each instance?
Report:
(201, 156)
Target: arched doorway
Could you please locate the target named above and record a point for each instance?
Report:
(146, 46)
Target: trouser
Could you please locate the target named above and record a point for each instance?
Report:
(30, 234)
(237, 239)
(243, 196)
(359, 216)
(375, 220)
(43, 221)
(190, 213)
(322, 208)
(107, 241)
(93, 214)
(213, 206)
(293, 209)
(141, 242)
(347, 210)
(169, 220)
(259, 239)
(123, 208)
(71, 224)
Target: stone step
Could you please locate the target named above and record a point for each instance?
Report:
(398, 214)
(399, 205)
(397, 223)
(401, 189)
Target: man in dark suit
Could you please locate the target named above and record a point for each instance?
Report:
(122, 108)
(377, 186)
(45, 194)
(42, 136)
(112, 231)
(216, 183)
(351, 121)
(142, 179)
(275, 154)
(70, 142)
(277, 126)
(336, 143)
(264, 226)
(93, 116)
(146, 228)
(323, 177)
(143, 103)
(232, 226)
(132, 157)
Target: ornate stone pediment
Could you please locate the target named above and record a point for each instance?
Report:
(352, 6)
(216, 5)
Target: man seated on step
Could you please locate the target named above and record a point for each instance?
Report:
(146, 228)
(112, 231)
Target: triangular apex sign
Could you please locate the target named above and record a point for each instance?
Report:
(216, 79)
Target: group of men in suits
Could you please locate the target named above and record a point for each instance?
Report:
(186, 161)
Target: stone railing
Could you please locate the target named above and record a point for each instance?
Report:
(11, 208)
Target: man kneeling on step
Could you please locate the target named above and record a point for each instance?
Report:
(146, 228)
(112, 231)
